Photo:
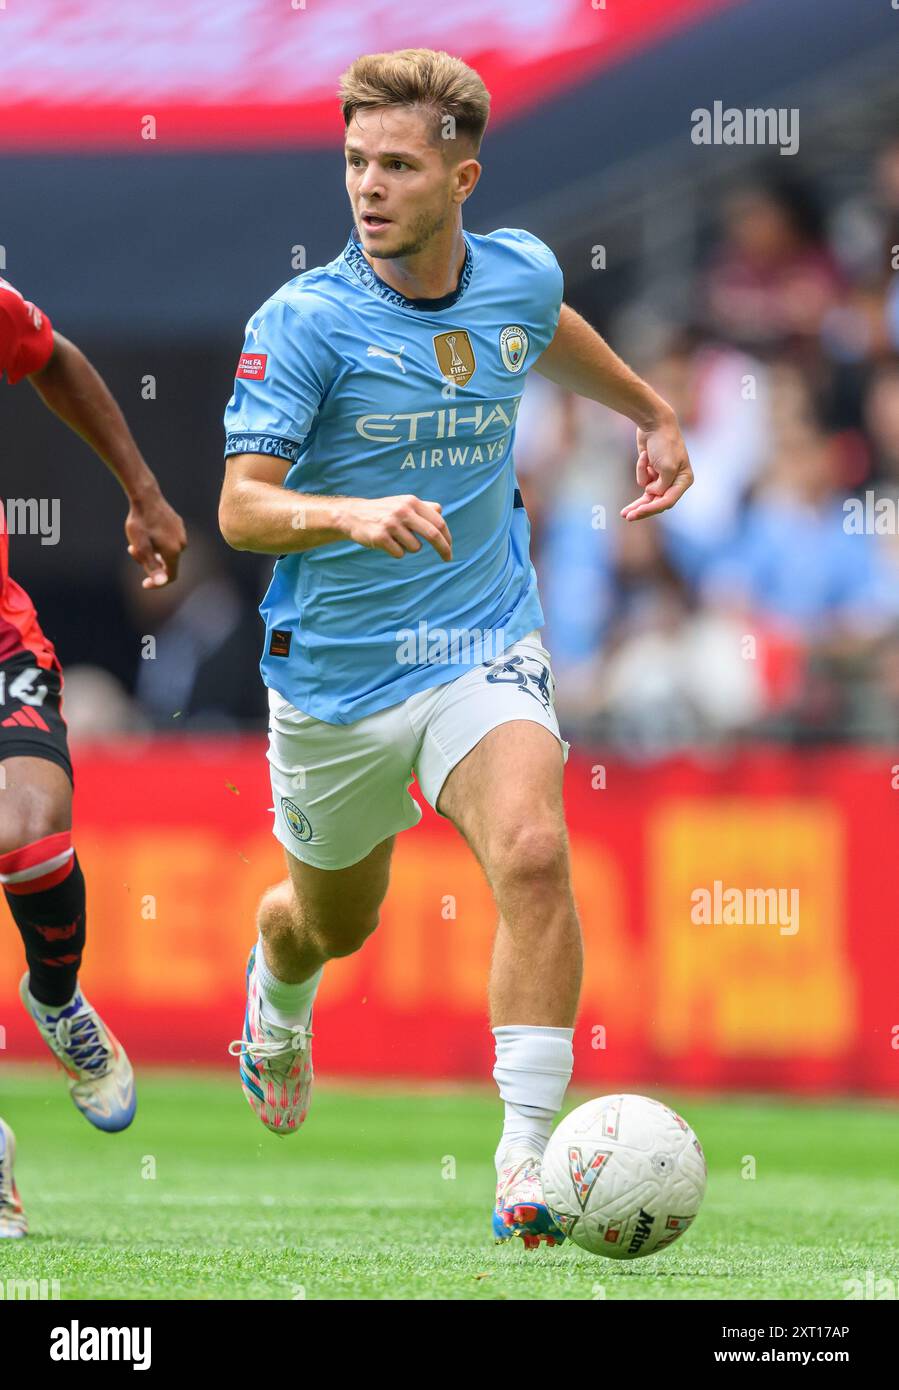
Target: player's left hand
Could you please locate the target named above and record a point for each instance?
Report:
(663, 470)
(156, 538)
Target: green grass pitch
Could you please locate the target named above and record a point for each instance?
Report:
(387, 1193)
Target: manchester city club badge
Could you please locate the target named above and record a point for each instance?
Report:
(513, 347)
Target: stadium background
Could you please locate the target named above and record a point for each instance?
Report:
(729, 676)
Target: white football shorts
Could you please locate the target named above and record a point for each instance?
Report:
(340, 789)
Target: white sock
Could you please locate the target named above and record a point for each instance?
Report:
(533, 1069)
(285, 1005)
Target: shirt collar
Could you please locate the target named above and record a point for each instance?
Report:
(359, 265)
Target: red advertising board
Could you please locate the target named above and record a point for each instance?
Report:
(689, 980)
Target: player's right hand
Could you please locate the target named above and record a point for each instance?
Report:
(156, 538)
(395, 523)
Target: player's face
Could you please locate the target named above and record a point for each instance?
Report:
(402, 188)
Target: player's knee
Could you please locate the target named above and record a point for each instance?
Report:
(29, 823)
(535, 854)
(35, 855)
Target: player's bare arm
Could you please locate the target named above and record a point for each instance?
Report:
(75, 391)
(257, 513)
(580, 360)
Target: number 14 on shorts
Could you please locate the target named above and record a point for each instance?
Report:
(24, 687)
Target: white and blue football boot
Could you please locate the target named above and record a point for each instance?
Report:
(521, 1208)
(12, 1215)
(101, 1082)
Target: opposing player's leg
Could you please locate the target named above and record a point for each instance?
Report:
(313, 916)
(503, 791)
(12, 1214)
(45, 892)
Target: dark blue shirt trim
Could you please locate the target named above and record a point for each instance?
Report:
(360, 266)
(273, 444)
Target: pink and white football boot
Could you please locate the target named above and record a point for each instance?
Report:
(275, 1064)
(521, 1208)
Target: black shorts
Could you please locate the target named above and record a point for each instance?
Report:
(31, 722)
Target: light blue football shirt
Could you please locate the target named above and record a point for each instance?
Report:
(369, 394)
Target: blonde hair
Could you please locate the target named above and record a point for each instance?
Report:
(440, 84)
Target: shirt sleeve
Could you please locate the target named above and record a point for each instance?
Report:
(26, 335)
(282, 377)
(540, 285)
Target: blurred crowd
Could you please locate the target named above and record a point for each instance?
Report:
(765, 605)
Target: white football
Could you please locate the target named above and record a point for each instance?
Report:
(624, 1176)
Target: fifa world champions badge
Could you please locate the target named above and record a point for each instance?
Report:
(455, 356)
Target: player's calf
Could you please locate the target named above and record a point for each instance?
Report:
(300, 938)
(314, 916)
(44, 889)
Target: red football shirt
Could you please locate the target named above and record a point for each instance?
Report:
(26, 345)
(26, 335)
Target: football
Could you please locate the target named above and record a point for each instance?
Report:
(624, 1176)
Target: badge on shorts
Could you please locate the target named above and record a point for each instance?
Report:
(280, 642)
(297, 823)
